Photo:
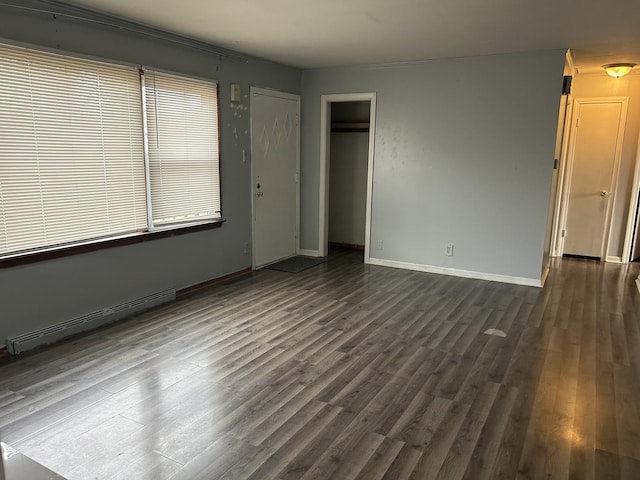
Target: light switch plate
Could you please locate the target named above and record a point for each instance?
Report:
(235, 92)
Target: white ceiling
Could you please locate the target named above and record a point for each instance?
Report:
(324, 33)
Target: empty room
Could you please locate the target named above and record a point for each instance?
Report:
(447, 286)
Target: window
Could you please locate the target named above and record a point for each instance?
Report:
(183, 148)
(71, 156)
(74, 166)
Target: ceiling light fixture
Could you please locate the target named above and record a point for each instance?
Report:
(618, 69)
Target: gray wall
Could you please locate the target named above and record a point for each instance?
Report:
(463, 155)
(45, 293)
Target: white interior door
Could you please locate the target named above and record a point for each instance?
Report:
(596, 143)
(274, 151)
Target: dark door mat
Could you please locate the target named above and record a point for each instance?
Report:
(296, 264)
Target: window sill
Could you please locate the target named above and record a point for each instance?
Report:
(68, 250)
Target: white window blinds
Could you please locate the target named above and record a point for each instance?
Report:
(71, 150)
(182, 122)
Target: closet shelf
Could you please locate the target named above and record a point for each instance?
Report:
(349, 127)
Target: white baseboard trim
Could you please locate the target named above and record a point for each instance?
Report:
(530, 282)
(612, 259)
(309, 253)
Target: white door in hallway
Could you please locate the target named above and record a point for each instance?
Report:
(275, 159)
(596, 144)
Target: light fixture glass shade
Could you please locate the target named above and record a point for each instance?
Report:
(618, 69)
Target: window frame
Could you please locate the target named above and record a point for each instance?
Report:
(77, 248)
(34, 255)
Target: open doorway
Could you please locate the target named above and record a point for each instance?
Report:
(606, 231)
(348, 160)
(346, 171)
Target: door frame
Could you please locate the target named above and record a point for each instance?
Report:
(557, 241)
(624, 101)
(288, 96)
(633, 210)
(325, 141)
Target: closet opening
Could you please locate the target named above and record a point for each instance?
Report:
(346, 172)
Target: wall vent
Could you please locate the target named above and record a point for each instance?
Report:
(89, 321)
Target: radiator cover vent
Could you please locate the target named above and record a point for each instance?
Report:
(88, 321)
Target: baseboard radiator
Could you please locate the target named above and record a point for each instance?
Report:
(89, 321)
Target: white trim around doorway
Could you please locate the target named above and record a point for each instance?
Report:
(633, 210)
(557, 241)
(325, 138)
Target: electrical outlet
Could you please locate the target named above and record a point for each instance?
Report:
(246, 247)
(379, 244)
(449, 250)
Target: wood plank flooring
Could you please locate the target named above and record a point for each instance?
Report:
(346, 371)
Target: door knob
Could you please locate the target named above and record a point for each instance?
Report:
(604, 193)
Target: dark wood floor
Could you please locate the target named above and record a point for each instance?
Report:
(347, 371)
